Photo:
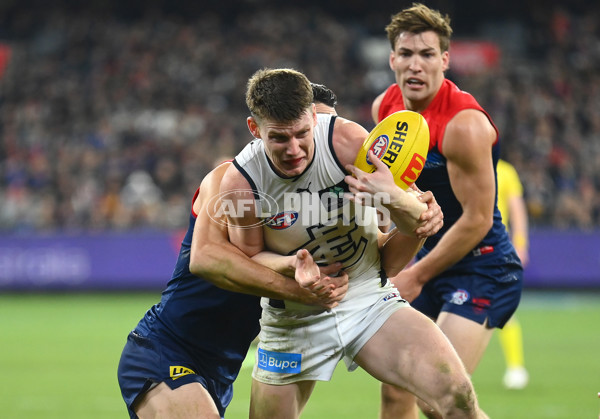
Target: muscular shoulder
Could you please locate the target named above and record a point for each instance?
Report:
(467, 132)
(233, 179)
(210, 185)
(347, 139)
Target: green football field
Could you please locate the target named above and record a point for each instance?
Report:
(59, 354)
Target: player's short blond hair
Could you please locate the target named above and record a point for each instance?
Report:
(417, 19)
(281, 95)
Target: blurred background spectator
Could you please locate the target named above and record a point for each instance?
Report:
(112, 112)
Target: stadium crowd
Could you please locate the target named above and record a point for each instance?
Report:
(108, 123)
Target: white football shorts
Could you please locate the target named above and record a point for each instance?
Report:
(300, 342)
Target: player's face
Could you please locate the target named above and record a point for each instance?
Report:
(419, 66)
(289, 146)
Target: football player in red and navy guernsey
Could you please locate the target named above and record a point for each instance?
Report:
(468, 276)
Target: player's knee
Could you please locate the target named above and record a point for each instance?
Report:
(460, 400)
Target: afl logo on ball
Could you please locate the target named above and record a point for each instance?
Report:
(379, 147)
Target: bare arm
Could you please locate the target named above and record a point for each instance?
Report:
(396, 247)
(404, 207)
(243, 225)
(301, 266)
(467, 147)
(215, 259)
(285, 265)
(406, 210)
(397, 250)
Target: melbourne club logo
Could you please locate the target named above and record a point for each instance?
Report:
(459, 297)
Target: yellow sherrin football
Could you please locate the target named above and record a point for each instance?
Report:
(401, 141)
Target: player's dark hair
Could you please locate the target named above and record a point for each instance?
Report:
(417, 19)
(281, 95)
(323, 94)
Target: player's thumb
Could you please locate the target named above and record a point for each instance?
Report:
(331, 270)
(302, 254)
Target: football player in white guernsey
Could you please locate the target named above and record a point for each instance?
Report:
(293, 188)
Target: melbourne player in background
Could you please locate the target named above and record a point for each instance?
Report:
(468, 276)
(514, 216)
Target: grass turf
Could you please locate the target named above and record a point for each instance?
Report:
(59, 354)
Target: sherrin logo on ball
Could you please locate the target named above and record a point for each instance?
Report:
(401, 141)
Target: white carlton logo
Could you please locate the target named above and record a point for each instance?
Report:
(323, 209)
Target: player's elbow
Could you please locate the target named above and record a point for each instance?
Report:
(205, 261)
(484, 223)
(478, 223)
(199, 265)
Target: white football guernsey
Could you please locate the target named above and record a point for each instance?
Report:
(300, 342)
(310, 211)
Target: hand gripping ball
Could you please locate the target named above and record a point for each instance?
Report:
(401, 141)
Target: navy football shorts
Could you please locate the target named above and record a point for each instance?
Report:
(146, 362)
(473, 296)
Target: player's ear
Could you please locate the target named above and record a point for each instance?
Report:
(314, 112)
(445, 60)
(253, 127)
(391, 60)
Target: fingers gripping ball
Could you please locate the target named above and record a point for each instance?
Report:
(401, 141)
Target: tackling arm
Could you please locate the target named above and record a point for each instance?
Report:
(405, 208)
(215, 259)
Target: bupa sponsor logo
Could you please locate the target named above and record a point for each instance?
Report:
(459, 297)
(177, 371)
(379, 147)
(282, 220)
(279, 362)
